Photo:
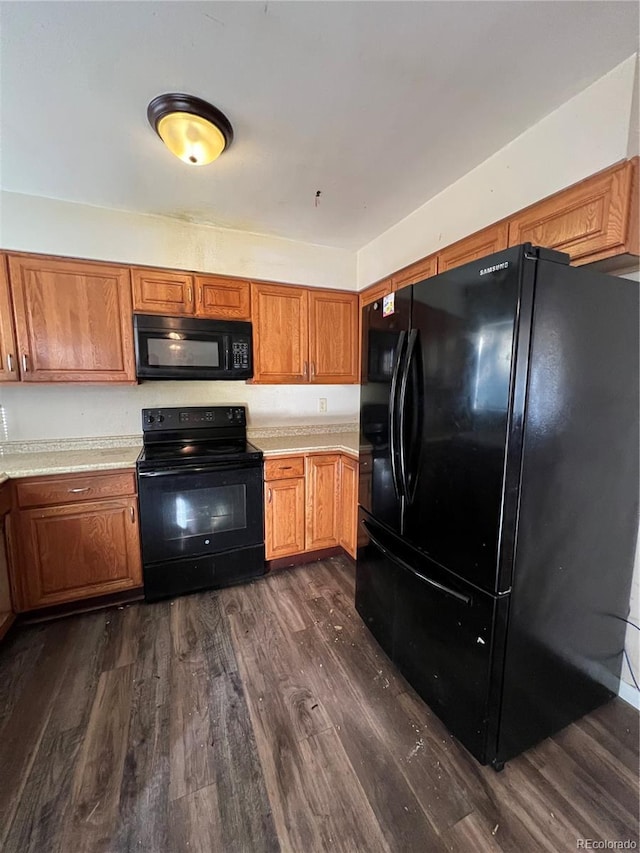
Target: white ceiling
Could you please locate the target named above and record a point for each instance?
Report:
(379, 105)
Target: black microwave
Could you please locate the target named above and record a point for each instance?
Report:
(190, 348)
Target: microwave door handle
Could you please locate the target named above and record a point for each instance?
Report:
(226, 346)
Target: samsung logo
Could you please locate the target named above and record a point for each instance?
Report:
(495, 268)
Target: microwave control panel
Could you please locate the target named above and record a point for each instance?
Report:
(240, 355)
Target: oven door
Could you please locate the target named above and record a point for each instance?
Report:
(196, 511)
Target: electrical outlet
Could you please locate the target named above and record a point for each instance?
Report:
(322, 404)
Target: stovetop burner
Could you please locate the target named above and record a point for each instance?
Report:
(175, 437)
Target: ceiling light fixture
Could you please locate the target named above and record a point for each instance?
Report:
(192, 129)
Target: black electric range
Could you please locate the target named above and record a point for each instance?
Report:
(200, 485)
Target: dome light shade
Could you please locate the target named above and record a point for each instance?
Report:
(192, 129)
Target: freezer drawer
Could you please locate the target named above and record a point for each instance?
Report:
(445, 636)
(376, 580)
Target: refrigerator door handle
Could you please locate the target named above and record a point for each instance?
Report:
(404, 476)
(459, 596)
(393, 409)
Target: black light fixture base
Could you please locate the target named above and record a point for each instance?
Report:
(177, 102)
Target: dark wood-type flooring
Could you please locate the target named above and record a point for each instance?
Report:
(265, 718)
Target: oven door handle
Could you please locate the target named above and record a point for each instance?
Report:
(205, 469)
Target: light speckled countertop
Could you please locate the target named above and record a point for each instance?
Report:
(70, 457)
(42, 463)
(340, 442)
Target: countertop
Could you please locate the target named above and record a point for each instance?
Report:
(67, 461)
(70, 460)
(340, 442)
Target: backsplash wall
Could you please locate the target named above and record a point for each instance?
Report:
(79, 411)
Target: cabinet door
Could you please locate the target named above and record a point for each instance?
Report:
(323, 501)
(589, 221)
(162, 292)
(284, 518)
(374, 292)
(222, 298)
(349, 504)
(73, 320)
(78, 551)
(333, 337)
(8, 360)
(418, 271)
(485, 242)
(280, 334)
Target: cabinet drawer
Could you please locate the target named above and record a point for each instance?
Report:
(46, 491)
(284, 468)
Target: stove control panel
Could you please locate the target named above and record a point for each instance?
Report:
(193, 417)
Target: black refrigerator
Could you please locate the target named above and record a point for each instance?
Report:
(498, 505)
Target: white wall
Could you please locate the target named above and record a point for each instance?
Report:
(35, 224)
(80, 411)
(28, 223)
(584, 135)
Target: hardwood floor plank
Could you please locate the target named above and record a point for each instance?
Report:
(471, 833)
(95, 794)
(144, 793)
(195, 823)
(198, 623)
(23, 730)
(44, 804)
(122, 626)
(19, 653)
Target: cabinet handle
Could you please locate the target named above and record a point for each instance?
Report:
(10, 366)
(189, 294)
(200, 295)
(313, 369)
(25, 362)
(286, 467)
(304, 369)
(77, 491)
(270, 496)
(132, 513)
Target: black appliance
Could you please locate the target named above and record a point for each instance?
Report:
(499, 412)
(201, 500)
(192, 348)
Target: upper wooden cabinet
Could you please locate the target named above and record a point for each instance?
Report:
(590, 221)
(424, 268)
(222, 298)
(72, 320)
(8, 360)
(162, 292)
(375, 292)
(176, 294)
(333, 337)
(280, 333)
(485, 242)
(302, 335)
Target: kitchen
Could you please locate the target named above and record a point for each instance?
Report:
(535, 165)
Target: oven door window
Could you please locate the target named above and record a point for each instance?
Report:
(189, 514)
(184, 352)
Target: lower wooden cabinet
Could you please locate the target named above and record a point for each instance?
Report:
(349, 504)
(284, 518)
(79, 548)
(323, 501)
(310, 503)
(7, 614)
